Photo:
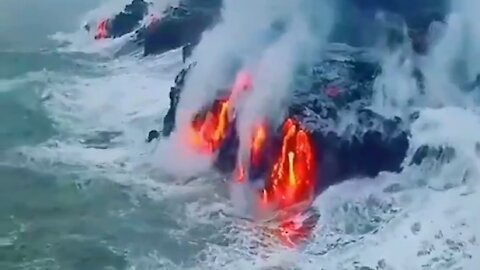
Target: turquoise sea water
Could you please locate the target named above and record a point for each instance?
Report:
(56, 214)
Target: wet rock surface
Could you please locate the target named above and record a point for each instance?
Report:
(122, 23)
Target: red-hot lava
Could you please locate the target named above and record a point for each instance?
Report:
(257, 149)
(210, 130)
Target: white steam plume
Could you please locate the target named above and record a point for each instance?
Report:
(439, 67)
(238, 39)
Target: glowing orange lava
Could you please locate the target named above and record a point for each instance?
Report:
(291, 181)
(102, 30)
(208, 132)
(258, 144)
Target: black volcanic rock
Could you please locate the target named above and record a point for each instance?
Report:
(181, 26)
(152, 135)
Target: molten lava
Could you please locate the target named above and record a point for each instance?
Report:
(102, 30)
(258, 142)
(210, 130)
(292, 179)
(290, 185)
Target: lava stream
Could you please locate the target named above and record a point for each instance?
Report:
(209, 130)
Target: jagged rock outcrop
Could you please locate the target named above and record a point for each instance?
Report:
(129, 19)
(352, 141)
(179, 26)
(183, 25)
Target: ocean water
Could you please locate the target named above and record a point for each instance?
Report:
(80, 189)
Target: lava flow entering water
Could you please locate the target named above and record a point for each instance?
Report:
(290, 185)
